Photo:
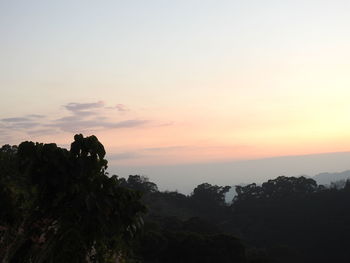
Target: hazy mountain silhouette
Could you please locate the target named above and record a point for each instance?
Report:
(328, 178)
(184, 177)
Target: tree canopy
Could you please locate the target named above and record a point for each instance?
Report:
(61, 205)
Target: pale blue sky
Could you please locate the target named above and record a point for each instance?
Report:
(202, 80)
(144, 45)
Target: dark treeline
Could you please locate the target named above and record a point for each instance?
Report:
(60, 205)
(286, 219)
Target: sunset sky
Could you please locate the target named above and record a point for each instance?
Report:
(178, 82)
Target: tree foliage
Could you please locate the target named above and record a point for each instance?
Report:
(210, 193)
(293, 219)
(59, 205)
(62, 205)
(280, 187)
(139, 183)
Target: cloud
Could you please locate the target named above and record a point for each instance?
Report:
(125, 124)
(24, 125)
(36, 116)
(85, 109)
(167, 148)
(18, 119)
(17, 123)
(121, 107)
(42, 132)
(80, 117)
(74, 124)
(84, 118)
(69, 119)
(124, 156)
(78, 107)
(85, 113)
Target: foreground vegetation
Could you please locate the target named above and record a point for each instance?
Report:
(61, 206)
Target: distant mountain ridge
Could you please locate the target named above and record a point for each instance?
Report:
(322, 179)
(185, 177)
(328, 178)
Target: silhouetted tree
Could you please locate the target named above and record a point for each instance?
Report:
(75, 213)
(277, 188)
(139, 183)
(210, 194)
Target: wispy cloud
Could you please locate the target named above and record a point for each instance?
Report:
(125, 124)
(42, 132)
(36, 116)
(74, 124)
(16, 119)
(124, 156)
(80, 117)
(19, 123)
(24, 125)
(166, 148)
(78, 107)
(119, 107)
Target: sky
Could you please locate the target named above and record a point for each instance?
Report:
(178, 82)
